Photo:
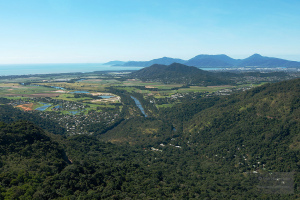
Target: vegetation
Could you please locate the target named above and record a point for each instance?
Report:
(206, 146)
(178, 73)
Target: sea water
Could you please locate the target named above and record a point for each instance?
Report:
(26, 69)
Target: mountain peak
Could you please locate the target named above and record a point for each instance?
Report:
(204, 60)
(178, 73)
(256, 55)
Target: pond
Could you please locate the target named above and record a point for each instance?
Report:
(57, 107)
(59, 88)
(139, 105)
(74, 112)
(105, 96)
(79, 92)
(44, 107)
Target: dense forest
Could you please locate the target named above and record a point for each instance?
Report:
(204, 148)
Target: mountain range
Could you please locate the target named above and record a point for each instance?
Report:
(222, 60)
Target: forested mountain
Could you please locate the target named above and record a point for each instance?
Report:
(256, 130)
(178, 73)
(161, 61)
(262, 124)
(28, 156)
(207, 148)
(211, 61)
(221, 60)
(257, 60)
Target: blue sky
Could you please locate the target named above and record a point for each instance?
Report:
(92, 31)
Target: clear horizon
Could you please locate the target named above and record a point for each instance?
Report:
(78, 31)
(134, 60)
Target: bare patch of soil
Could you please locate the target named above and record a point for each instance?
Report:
(26, 107)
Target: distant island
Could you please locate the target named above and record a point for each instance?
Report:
(215, 61)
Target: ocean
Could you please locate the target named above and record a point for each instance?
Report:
(26, 69)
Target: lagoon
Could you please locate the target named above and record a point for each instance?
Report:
(105, 96)
(80, 92)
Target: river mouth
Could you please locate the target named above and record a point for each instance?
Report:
(139, 105)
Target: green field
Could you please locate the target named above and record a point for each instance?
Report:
(15, 89)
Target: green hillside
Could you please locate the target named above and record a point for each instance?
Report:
(28, 157)
(263, 123)
(178, 73)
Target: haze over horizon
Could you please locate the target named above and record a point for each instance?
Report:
(78, 31)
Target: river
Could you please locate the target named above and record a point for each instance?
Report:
(139, 105)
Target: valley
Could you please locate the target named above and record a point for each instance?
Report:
(106, 135)
(149, 100)
(79, 102)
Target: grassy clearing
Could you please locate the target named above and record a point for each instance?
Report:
(203, 89)
(22, 80)
(139, 83)
(165, 105)
(70, 97)
(17, 98)
(77, 86)
(36, 105)
(14, 89)
(149, 84)
(251, 85)
(163, 94)
(106, 82)
(143, 91)
(10, 85)
(66, 97)
(167, 87)
(103, 105)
